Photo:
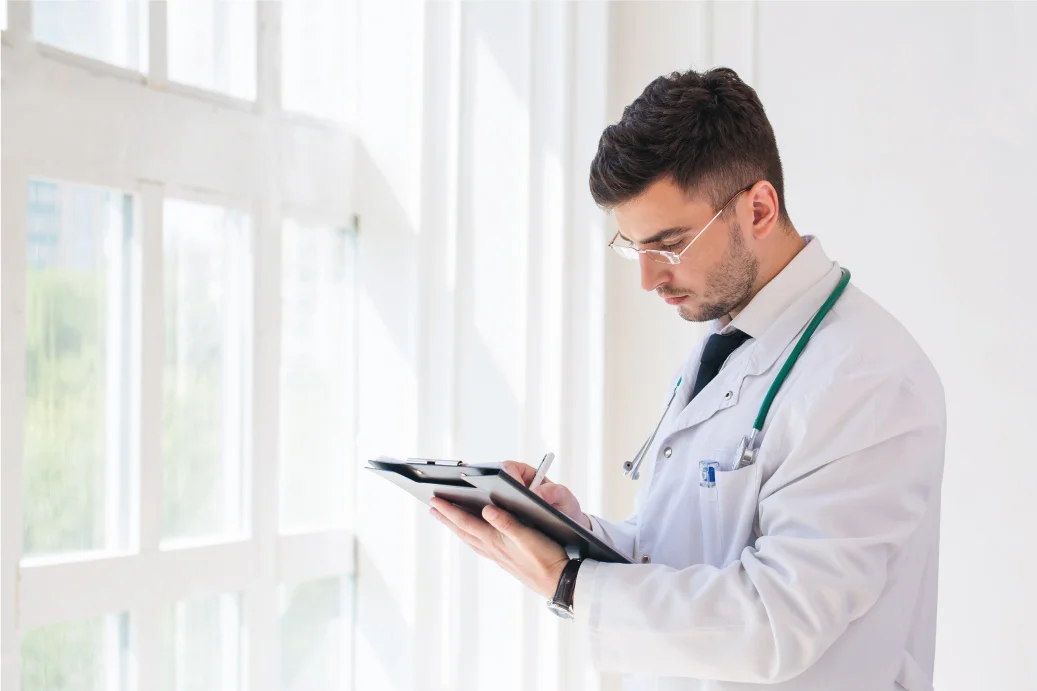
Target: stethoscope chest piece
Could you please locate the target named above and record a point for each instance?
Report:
(746, 451)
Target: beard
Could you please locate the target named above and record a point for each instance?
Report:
(728, 285)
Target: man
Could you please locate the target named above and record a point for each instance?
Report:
(811, 565)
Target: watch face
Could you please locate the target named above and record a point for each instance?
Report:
(560, 610)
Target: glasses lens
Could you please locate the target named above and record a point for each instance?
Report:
(625, 252)
(663, 257)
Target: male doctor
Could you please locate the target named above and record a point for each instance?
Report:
(814, 566)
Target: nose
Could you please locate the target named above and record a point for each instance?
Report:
(653, 274)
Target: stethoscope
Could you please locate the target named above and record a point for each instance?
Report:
(747, 448)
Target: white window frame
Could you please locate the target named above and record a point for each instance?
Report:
(278, 161)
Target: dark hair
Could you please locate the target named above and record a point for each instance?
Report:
(707, 130)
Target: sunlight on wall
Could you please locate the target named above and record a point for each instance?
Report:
(387, 558)
(499, 215)
(473, 300)
(388, 386)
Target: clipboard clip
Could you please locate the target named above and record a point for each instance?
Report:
(435, 461)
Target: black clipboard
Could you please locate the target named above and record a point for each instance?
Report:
(473, 486)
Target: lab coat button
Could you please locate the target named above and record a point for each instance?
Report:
(728, 395)
(646, 559)
(667, 452)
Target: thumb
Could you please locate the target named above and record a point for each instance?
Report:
(551, 493)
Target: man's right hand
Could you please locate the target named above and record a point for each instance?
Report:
(554, 494)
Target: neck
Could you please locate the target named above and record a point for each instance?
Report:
(787, 243)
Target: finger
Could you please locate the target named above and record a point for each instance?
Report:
(522, 472)
(473, 525)
(493, 554)
(465, 537)
(551, 493)
(504, 523)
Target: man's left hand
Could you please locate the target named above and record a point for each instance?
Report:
(525, 553)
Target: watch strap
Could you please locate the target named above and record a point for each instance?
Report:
(567, 584)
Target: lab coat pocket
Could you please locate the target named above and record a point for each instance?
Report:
(729, 514)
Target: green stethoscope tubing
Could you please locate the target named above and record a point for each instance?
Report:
(747, 448)
(747, 451)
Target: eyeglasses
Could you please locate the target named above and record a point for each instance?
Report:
(666, 256)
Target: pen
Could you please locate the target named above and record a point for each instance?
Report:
(545, 463)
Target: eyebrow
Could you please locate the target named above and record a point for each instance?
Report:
(661, 235)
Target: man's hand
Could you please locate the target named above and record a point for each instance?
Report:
(554, 494)
(527, 554)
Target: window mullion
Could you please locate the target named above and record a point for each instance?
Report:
(268, 57)
(264, 505)
(12, 400)
(148, 325)
(19, 22)
(158, 42)
(261, 601)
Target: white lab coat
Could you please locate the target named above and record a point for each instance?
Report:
(815, 568)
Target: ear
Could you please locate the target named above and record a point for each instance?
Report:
(765, 209)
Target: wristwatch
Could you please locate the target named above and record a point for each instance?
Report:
(562, 603)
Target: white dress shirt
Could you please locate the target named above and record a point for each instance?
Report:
(815, 567)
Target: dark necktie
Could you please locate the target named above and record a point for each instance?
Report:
(718, 347)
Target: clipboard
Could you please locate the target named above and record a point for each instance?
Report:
(474, 486)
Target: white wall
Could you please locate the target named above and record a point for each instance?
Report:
(908, 137)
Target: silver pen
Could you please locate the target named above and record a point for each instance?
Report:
(545, 464)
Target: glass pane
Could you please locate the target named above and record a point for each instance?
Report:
(316, 635)
(85, 655)
(317, 44)
(78, 278)
(212, 45)
(113, 31)
(202, 644)
(317, 376)
(206, 368)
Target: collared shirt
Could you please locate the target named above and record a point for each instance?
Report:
(807, 268)
(814, 567)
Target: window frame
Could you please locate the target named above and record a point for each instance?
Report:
(279, 163)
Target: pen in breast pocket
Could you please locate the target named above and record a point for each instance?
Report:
(545, 464)
(708, 473)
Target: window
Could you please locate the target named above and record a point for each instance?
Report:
(316, 635)
(212, 45)
(141, 432)
(83, 655)
(207, 261)
(114, 31)
(77, 385)
(202, 644)
(316, 47)
(317, 375)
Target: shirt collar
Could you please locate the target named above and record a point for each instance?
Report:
(807, 268)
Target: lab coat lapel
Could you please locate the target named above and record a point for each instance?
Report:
(719, 394)
(723, 392)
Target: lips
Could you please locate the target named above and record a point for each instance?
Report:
(676, 300)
